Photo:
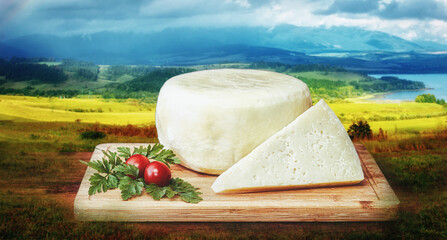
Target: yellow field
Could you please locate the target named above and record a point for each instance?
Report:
(397, 116)
(76, 109)
(391, 117)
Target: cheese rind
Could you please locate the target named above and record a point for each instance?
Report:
(312, 151)
(211, 119)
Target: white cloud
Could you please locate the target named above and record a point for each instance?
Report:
(84, 16)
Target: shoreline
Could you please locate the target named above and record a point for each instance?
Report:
(379, 96)
(434, 84)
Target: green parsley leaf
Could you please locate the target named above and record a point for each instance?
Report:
(112, 181)
(170, 193)
(100, 183)
(185, 190)
(112, 158)
(97, 165)
(155, 191)
(127, 169)
(124, 152)
(167, 157)
(130, 187)
(191, 196)
(141, 150)
(152, 152)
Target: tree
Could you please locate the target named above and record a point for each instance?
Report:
(425, 98)
(429, 98)
(440, 101)
(360, 130)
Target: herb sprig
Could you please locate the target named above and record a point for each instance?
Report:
(113, 172)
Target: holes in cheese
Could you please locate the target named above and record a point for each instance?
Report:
(213, 118)
(313, 150)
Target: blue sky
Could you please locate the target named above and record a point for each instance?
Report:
(409, 19)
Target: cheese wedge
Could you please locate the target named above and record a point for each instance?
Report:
(213, 118)
(312, 151)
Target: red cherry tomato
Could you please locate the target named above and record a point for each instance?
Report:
(158, 173)
(140, 161)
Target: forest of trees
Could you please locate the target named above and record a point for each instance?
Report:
(17, 71)
(146, 86)
(402, 84)
(151, 82)
(386, 84)
(81, 70)
(115, 71)
(282, 67)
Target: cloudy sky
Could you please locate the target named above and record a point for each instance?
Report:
(409, 19)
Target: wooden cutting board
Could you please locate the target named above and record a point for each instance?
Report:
(371, 200)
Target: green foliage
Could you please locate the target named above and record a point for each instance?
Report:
(22, 71)
(167, 157)
(80, 70)
(106, 177)
(282, 67)
(129, 170)
(85, 75)
(420, 173)
(177, 186)
(32, 59)
(150, 82)
(153, 151)
(115, 71)
(99, 182)
(131, 187)
(143, 87)
(395, 83)
(158, 193)
(336, 85)
(360, 130)
(425, 98)
(326, 84)
(429, 98)
(385, 84)
(156, 153)
(72, 65)
(187, 192)
(106, 165)
(93, 135)
(328, 89)
(30, 91)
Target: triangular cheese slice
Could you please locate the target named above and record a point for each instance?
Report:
(312, 151)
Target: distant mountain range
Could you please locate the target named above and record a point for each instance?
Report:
(350, 47)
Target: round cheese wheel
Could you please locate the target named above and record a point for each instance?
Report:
(213, 118)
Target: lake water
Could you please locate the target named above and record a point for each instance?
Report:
(436, 81)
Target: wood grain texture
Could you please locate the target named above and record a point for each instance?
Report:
(371, 200)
